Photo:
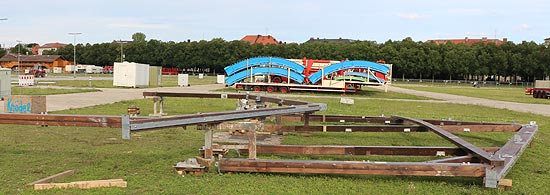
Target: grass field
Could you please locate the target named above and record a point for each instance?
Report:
(366, 92)
(28, 153)
(46, 91)
(510, 94)
(167, 81)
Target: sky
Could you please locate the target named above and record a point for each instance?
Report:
(45, 21)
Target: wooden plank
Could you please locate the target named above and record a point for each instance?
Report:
(53, 177)
(83, 184)
(483, 155)
(352, 167)
(359, 150)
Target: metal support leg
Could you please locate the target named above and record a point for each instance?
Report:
(161, 106)
(125, 126)
(306, 119)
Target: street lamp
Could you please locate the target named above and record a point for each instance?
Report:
(18, 57)
(122, 49)
(74, 50)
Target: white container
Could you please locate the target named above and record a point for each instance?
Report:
(5, 82)
(220, 79)
(201, 76)
(130, 74)
(183, 80)
(69, 68)
(57, 70)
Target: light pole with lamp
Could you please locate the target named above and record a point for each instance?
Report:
(74, 50)
(18, 57)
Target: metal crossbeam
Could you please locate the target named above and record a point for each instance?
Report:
(483, 155)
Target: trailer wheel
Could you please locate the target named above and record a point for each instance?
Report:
(534, 92)
(283, 89)
(257, 88)
(544, 94)
(270, 89)
(277, 80)
(538, 92)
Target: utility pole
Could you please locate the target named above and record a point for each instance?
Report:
(74, 50)
(18, 58)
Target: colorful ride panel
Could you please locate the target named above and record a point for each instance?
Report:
(259, 61)
(314, 78)
(297, 77)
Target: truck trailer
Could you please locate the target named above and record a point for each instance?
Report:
(541, 89)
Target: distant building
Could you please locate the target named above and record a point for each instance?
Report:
(547, 42)
(468, 41)
(253, 39)
(38, 50)
(29, 61)
(339, 40)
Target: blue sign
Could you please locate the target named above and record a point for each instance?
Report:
(18, 106)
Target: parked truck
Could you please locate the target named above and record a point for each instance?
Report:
(541, 89)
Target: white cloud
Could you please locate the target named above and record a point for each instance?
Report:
(139, 25)
(412, 16)
(524, 27)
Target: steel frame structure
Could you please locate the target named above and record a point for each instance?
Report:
(464, 160)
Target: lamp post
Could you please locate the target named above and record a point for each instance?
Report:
(74, 50)
(122, 49)
(18, 57)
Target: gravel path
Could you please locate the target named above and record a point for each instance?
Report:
(111, 95)
(542, 109)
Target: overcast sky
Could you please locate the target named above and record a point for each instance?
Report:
(43, 21)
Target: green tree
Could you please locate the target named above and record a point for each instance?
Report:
(138, 37)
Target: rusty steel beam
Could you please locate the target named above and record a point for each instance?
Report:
(352, 167)
(229, 96)
(62, 120)
(392, 128)
(377, 119)
(510, 153)
(483, 155)
(361, 150)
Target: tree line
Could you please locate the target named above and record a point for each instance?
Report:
(410, 59)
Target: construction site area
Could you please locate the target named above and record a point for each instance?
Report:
(343, 129)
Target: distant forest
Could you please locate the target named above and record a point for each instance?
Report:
(410, 59)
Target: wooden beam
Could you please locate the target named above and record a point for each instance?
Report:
(360, 150)
(53, 177)
(352, 167)
(83, 184)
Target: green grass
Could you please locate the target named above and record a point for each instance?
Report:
(510, 94)
(28, 153)
(172, 80)
(366, 92)
(46, 91)
(167, 81)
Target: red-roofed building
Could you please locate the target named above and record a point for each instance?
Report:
(38, 50)
(252, 39)
(468, 41)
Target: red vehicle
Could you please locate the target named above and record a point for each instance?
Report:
(541, 89)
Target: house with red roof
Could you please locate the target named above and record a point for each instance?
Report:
(264, 40)
(38, 50)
